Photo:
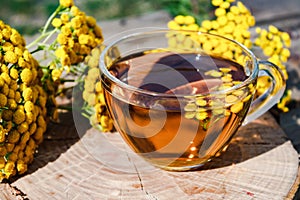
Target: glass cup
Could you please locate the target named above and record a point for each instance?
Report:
(178, 97)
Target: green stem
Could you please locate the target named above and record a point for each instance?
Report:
(37, 40)
(37, 50)
(45, 28)
(51, 18)
(49, 36)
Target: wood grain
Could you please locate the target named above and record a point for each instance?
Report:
(260, 163)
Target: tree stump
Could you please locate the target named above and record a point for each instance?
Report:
(260, 163)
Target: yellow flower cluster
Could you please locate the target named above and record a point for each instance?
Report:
(79, 40)
(275, 45)
(78, 35)
(22, 104)
(233, 20)
(93, 94)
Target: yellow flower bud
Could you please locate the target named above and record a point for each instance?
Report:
(179, 19)
(6, 77)
(3, 151)
(5, 89)
(2, 163)
(76, 22)
(75, 10)
(27, 56)
(206, 24)
(217, 2)
(235, 10)
(9, 146)
(173, 25)
(91, 21)
(26, 76)
(2, 82)
(56, 73)
(27, 94)
(201, 115)
(13, 136)
(38, 135)
(41, 121)
(84, 39)
(23, 127)
(235, 108)
(7, 114)
(251, 20)
(62, 39)
(285, 52)
(268, 51)
(28, 106)
(6, 33)
(14, 73)
(3, 100)
(65, 61)
(66, 30)
(21, 166)
(222, 20)
(56, 22)
(242, 8)
(16, 38)
(220, 12)
(273, 29)
(66, 3)
(225, 5)
(7, 46)
(29, 117)
(19, 116)
(32, 128)
(9, 167)
(2, 134)
(25, 137)
(10, 57)
(12, 104)
(189, 20)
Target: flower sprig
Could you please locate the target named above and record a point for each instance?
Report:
(29, 87)
(22, 104)
(234, 21)
(68, 37)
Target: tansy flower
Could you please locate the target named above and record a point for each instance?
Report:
(56, 73)
(10, 57)
(234, 21)
(56, 22)
(3, 100)
(19, 116)
(26, 76)
(19, 75)
(66, 3)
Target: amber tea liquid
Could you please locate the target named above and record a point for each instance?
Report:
(181, 129)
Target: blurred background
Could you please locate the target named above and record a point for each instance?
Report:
(27, 16)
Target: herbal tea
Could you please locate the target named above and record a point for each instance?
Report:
(196, 121)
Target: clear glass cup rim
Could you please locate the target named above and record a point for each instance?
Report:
(104, 71)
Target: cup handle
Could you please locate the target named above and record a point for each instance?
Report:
(270, 97)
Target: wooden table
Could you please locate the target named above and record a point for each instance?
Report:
(260, 163)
